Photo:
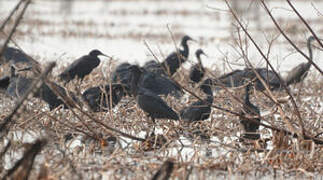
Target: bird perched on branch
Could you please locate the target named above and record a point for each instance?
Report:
(82, 66)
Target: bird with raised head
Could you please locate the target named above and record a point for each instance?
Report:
(197, 71)
(251, 110)
(298, 73)
(82, 66)
(176, 59)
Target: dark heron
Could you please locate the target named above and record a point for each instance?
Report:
(149, 101)
(98, 98)
(14, 55)
(199, 110)
(82, 66)
(298, 73)
(176, 59)
(251, 110)
(197, 71)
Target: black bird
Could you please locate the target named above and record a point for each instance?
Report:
(199, 110)
(251, 110)
(175, 60)
(82, 66)
(197, 71)
(149, 101)
(298, 73)
(98, 98)
(14, 55)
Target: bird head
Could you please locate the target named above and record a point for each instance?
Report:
(199, 52)
(186, 38)
(96, 52)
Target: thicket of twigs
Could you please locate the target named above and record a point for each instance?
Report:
(117, 143)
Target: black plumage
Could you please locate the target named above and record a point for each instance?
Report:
(298, 73)
(98, 98)
(197, 71)
(154, 67)
(176, 59)
(201, 109)
(233, 79)
(4, 82)
(82, 66)
(269, 77)
(153, 105)
(18, 85)
(47, 94)
(122, 75)
(14, 55)
(159, 85)
(250, 110)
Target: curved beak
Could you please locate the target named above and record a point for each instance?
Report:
(105, 55)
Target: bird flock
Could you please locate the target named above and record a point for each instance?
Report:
(149, 83)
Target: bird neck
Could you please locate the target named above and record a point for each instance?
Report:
(309, 46)
(246, 100)
(209, 98)
(12, 71)
(185, 49)
(134, 83)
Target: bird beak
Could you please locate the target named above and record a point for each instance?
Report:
(193, 40)
(106, 55)
(205, 54)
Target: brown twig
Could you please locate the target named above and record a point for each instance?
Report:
(35, 85)
(15, 27)
(306, 24)
(11, 14)
(301, 124)
(288, 39)
(22, 167)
